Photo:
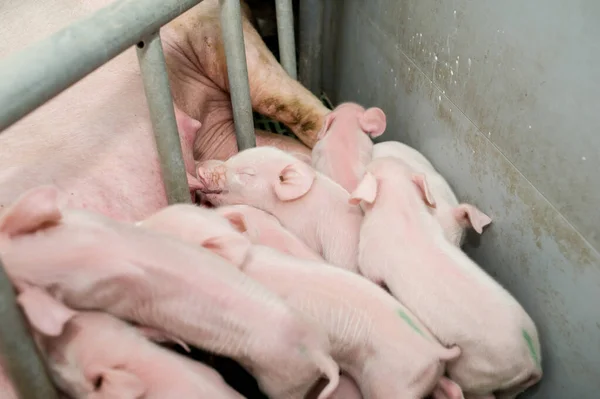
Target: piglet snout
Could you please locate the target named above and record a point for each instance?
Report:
(210, 175)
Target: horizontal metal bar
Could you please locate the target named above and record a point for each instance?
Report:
(20, 357)
(311, 33)
(237, 71)
(160, 102)
(285, 36)
(36, 74)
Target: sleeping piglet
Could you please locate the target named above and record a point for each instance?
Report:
(306, 202)
(98, 356)
(92, 262)
(374, 338)
(404, 247)
(454, 218)
(264, 229)
(344, 145)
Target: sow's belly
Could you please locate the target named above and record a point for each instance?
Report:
(94, 141)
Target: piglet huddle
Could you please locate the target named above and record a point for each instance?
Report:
(336, 277)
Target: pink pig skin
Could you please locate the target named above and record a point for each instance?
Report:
(373, 336)
(454, 218)
(264, 229)
(344, 145)
(7, 390)
(306, 202)
(92, 262)
(101, 125)
(211, 230)
(403, 246)
(98, 356)
(198, 75)
(347, 389)
(370, 340)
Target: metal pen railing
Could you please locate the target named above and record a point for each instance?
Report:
(43, 70)
(285, 35)
(162, 115)
(237, 72)
(20, 356)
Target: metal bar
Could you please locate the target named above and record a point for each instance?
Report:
(311, 32)
(160, 102)
(285, 36)
(237, 71)
(46, 68)
(20, 357)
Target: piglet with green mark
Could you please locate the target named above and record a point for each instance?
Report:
(374, 338)
(404, 247)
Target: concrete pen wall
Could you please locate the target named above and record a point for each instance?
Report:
(504, 98)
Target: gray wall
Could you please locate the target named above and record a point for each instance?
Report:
(503, 97)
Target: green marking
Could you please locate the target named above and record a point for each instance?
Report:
(409, 321)
(532, 351)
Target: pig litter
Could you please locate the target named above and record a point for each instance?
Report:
(323, 265)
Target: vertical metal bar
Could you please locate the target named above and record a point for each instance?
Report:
(162, 114)
(311, 33)
(237, 71)
(20, 357)
(285, 36)
(39, 72)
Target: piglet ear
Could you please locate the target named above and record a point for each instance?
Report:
(33, 210)
(231, 246)
(373, 122)
(116, 383)
(45, 314)
(326, 125)
(421, 182)
(365, 191)
(295, 180)
(237, 220)
(469, 216)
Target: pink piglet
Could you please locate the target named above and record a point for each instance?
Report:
(344, 145)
